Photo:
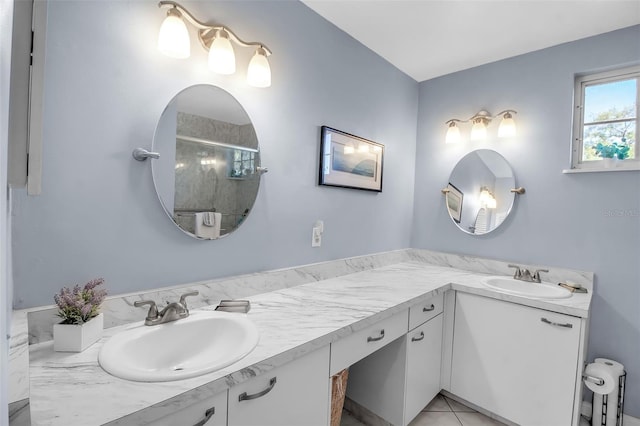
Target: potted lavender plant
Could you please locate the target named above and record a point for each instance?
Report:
(82, 323)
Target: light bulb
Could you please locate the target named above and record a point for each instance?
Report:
(259, 72)
(363, 147)
(507, 128)
(479, 130)
(348, 149)
(173, 38)
(491, 203)
(453, 133)
(222, 60)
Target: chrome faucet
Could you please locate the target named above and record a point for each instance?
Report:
(172, 312)
(523, 274)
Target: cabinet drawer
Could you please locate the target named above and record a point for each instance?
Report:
(353, 348)
(296, 393)
(424, 311)
(206, 412)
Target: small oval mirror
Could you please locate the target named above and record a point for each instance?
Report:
(207, 176)
(479, 196)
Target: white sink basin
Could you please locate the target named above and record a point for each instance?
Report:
(541, 290)
(201, 343)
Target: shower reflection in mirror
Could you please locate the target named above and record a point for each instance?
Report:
(209, 174)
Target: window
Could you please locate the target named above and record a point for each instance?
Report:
(242, 163)
(606, 113)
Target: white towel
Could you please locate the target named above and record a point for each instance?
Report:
(207, 225)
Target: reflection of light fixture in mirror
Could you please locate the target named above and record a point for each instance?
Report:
(487, 199)
(179, 165)
(481, 120)
(208, 162)
(348, 149)
(173, 41)
(363, 148)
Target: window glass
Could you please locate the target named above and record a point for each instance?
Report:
(609, 116)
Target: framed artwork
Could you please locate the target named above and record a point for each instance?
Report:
(349, 161)
(454, 202)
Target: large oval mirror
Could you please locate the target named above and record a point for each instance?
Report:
(207, 176)
(479, 196)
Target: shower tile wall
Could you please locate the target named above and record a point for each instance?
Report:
(202, 171)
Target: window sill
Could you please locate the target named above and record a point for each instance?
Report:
(599, 170)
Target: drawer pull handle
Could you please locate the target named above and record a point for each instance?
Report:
(417, 339)
(245, 397)
(546, 321)
(429, 309)
(207, 416)
(375, 339)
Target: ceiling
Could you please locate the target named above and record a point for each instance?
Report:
(430, 38)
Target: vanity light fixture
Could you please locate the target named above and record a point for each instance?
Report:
(173, 40)
(481, 120)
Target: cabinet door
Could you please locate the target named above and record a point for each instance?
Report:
(424, 353)
(515, 361)
(295, 394)
(209, 412)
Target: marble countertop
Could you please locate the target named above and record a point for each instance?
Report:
(71, 389)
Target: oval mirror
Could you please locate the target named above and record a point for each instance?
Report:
(479, 196)
(208, 173)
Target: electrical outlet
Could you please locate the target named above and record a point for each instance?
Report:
(316, 237)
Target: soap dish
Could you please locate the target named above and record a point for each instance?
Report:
(242, 306)
(572, 287)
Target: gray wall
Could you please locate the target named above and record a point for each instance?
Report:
(105, 89)
(585, 221)
(6, 18)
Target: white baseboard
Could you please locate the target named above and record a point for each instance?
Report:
(627, 420)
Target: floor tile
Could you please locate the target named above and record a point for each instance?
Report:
(435, 418)
(437, 404)
(477, 419)
(347, 420)
(457, 407)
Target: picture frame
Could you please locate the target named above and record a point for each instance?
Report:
(454, 202)
(349, 161)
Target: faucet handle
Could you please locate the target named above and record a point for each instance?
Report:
(183, 298)
(536, 274)
(518, 272)
(153, 309)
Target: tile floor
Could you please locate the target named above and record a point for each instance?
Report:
(442, 411)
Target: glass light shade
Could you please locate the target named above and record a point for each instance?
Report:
(491, 203)
(478, 131)
(222, 59)
(173, 39)
(507, 128)
(453, 134)
(259, 72)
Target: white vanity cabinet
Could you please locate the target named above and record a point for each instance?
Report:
(295, 394)
(399, 380)
(206, 412)
(518, 362)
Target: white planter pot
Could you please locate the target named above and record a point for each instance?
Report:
(77, 338)
(610, 163)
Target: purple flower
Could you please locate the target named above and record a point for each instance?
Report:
(80, 304)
